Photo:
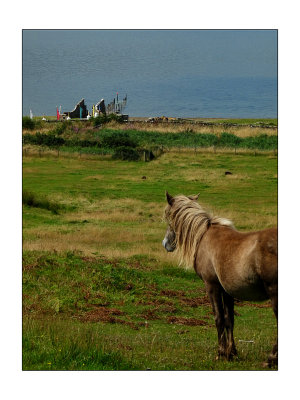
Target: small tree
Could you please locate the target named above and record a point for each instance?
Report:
(28, 123)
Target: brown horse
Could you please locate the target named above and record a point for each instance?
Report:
(232, 264)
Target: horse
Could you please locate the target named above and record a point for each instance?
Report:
(232, 264)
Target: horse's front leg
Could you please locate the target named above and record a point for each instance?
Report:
(214, 291)
(229, 324)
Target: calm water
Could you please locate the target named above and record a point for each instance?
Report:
(172, 73)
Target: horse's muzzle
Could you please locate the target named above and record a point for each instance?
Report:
(167, 246)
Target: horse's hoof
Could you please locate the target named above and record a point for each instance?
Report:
(272, 362)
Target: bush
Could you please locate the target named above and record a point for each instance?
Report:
(101, 119)
(126, 153)
(104, 119)
(82, 143)
(119, 139)
(60, 128)
(43, 139)
(32, 200)
(261, 142)
(28, 123)
(114, 117)
(229, 140)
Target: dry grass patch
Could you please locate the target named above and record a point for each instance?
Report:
(121, 210)
(249, 221)
(113, 241)
(241, 131)
(208, 176)
(109, 251)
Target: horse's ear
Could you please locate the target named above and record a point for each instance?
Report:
(170, 199)
(194, 197)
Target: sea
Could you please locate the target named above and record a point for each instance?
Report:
(175, 73)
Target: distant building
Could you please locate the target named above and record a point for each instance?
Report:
(80, 111)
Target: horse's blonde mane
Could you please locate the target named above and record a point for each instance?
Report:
(190, 222)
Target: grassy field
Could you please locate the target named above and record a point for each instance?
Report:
(101, 293)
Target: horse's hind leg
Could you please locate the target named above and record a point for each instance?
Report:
(229, 324)
(272, 291)
(273, 357)
(214, 291)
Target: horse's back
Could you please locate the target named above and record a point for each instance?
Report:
(242, 262)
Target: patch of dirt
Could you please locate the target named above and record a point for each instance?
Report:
(167, 309)
(28, 267)
(138, 265)
(172, 293)
(196, 301)
(102, 259)
(114, 262)
(101, 314)
(250, 304)
(186, 321)
(149, 314)
(108, 315)
(150, 301)
(104, 304)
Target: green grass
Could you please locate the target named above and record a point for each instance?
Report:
(127, 314)
(201, 172)
(100, 292)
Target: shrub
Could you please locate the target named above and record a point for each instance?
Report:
(229, 140)
(60, 128)
(32, 200)
(126, 153)
(262, 142)
(82, 143)
(43, 139)
(28, 123)
(105, 118)
(101, 119)
(114, 117)
(119, 139)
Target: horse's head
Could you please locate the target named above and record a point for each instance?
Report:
(169, 241)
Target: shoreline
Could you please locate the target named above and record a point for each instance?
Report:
(253, 122)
